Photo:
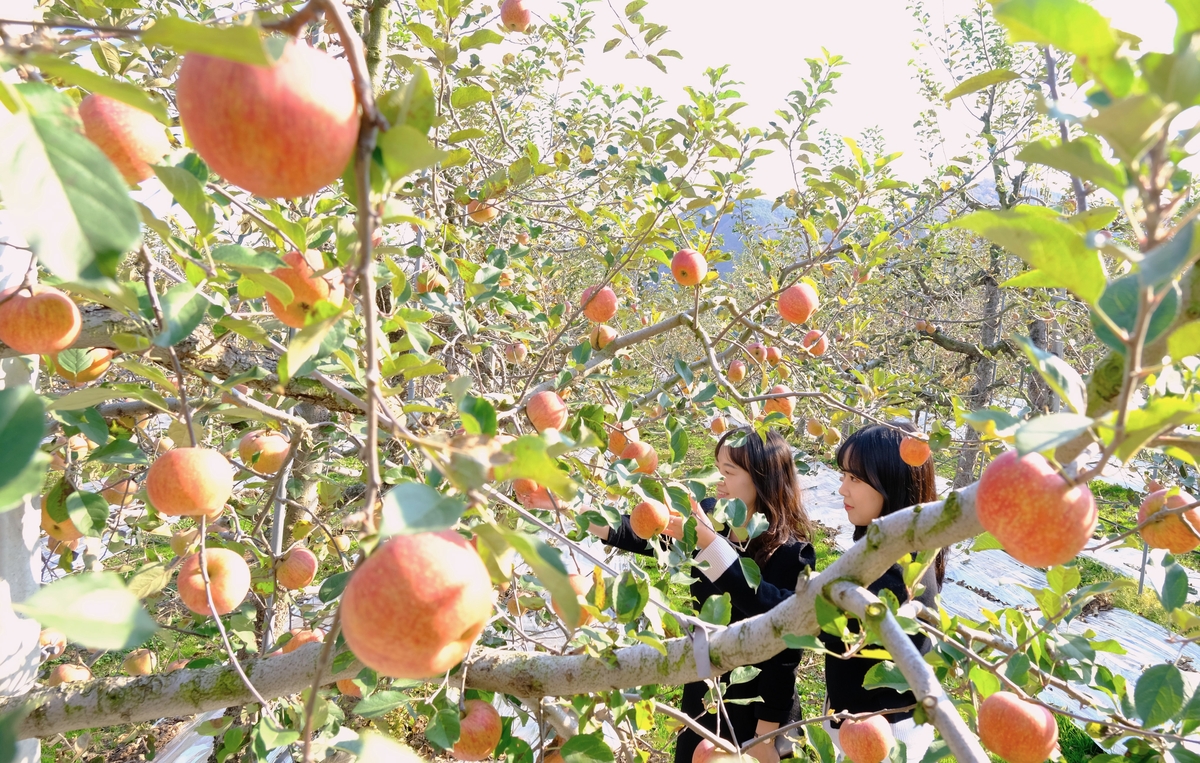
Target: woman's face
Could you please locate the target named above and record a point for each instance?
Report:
(735, 481)
(863, 503)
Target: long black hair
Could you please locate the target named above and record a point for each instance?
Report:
(776, 487)
(872, 454)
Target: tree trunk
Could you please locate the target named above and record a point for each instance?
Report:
(985, 370)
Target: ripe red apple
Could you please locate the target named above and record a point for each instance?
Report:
(279, 131)
(516, 352)
(1039, 518)
(229, 578)
(774, 355)
(189, 482)
(430, 281)
(797, 302)
(300, 637)
(644, 454)
(1016, 730)
(913, 451)
(479, 731)
(307, 288)
(53, 642)
(703, 751)
(757, 352)
(349, 688)
(264, 450)
(546, 410)
(602, 335)
(41, 323)
(815, 343)
(619, 437)
(581, 585)
(1179, 533)
(648, 519)
(523, 238)
(99, 359)
(514, 16)
(689, 267)
(531, 495)
(66, 674)
(506, 279)
(599, 306)
(737, 371)
(414, 607)
(784, 405)
(296, 569)
(130, 138)
(482, 212)
(140, 662)
(867, 741)
(718, 425)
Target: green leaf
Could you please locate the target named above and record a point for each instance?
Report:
(751, 571)
(586, 748)
(479, 38)
(1064, 380)
(793, 641)
(1081, 157)
(307, 344)
(471, 133)
(633, 594)
(150, 579)
(189, 194)
(717, 609)
(243, 258)
(478, 415)
(532, 461)
(411, 507)
(1043, 242)
(979, 82)
(96, 83)
(407, 150)
(183, 310)
(1158, 695)
(1165, 262)
(469, 94)
(1184, 341)
(25, 483)
(1047, 432)
(332, 586)
(272, 734)
(22, 426)
(88, 512)
(239, 43)
(1070, 25)
(885, 674)
(986, 541)
(415, 106)
(65, 197)
(1175, 588)
(94, 610)
(381, 703)
(985, 682)
(444, 727)
(1063, 579)
(1120, 304)
(1131, 125)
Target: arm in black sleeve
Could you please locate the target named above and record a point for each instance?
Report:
(622, 537)
(778, 579)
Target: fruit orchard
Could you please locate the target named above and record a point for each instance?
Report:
(313, 444)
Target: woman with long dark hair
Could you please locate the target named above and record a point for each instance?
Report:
(877, 482)
(761, 473)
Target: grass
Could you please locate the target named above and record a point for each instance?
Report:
(1145, 605)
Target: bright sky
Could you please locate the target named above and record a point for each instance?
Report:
(766, 42)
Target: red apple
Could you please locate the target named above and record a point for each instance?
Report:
(514, 16)
(531, 495)
(1016, 730)
(307, 288)
(263, 450)
(41, 323)
(648, 519)
(737, 371)
(689, 267)
(546, 410)
(867, 741)
(1179, 533)
(644, 454)
(599, 305)
(482, 211)
(774, 355)
(619, 437)
(815, 343)
(784, 405)
(757, 351)
(602, 335)
(415, 606)
(131, 138)
(229, 578)
(479, 731)
(1039, 518)
(284, 130)
(516, 352)
(797, 302)
(296, 569)
(913, 451)
(189, 482)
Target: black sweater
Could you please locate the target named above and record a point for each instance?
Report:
(776, 684)
(844, 678)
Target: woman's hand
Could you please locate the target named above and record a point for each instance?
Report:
(705, 533)
(675, 525)
(765, 752)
